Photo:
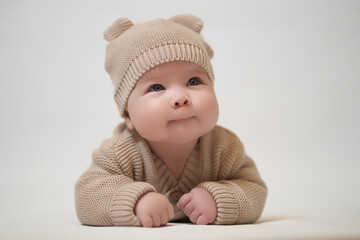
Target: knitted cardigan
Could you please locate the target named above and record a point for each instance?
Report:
(124, 168)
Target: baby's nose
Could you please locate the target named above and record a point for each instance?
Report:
(180, 101)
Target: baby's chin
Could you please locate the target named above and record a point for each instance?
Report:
(181, 138)
(174, 140)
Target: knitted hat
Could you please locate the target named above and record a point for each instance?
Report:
(135, 48)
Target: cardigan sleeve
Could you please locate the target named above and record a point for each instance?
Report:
(106, 194)
(239, 191)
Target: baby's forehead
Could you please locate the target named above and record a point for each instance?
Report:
(176, 67)
(157, 70)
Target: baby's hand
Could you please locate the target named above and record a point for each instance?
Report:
(199, 205)
(154, 210)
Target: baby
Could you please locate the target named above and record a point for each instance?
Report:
(168, 161)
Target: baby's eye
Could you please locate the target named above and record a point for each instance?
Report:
(193, 81)
(156, 88)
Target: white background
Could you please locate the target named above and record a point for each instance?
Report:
(287, 79)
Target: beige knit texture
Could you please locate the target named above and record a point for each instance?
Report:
(135, 48)
(124, 168)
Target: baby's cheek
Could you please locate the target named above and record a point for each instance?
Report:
(210, 106)
(149, 118)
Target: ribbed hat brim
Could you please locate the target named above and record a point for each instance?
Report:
(153, 57)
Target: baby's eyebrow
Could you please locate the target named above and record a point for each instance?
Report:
(144, 80)
(198, 71)
(140, 83)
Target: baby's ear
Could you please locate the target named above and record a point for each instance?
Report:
(117, 28)
(189, 21)
(128, 122)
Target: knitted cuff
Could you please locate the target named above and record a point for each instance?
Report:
(123, 203)
(226, 202)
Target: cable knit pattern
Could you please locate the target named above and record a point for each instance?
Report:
(124, 168)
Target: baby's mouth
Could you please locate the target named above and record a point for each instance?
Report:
(181, 119)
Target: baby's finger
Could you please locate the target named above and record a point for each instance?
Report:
(170, 212)
(164, 218)
(189, 208)
(185, 199)
(194, 216)
(146, 221)
(202, 220)
(156, 220)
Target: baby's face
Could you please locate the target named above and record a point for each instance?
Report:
(173, 103)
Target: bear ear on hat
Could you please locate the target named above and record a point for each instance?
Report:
(117, 28)
(194, 23)
(209, 50)
(189, 21)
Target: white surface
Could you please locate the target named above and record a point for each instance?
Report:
(62, 226)
(287, 79)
